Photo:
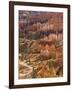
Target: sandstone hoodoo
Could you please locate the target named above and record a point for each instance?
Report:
(40, 44)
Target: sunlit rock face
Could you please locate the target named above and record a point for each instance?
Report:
(40, 44)
(60, 37)
(44, 52)
(52, 37)
(25, 71)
